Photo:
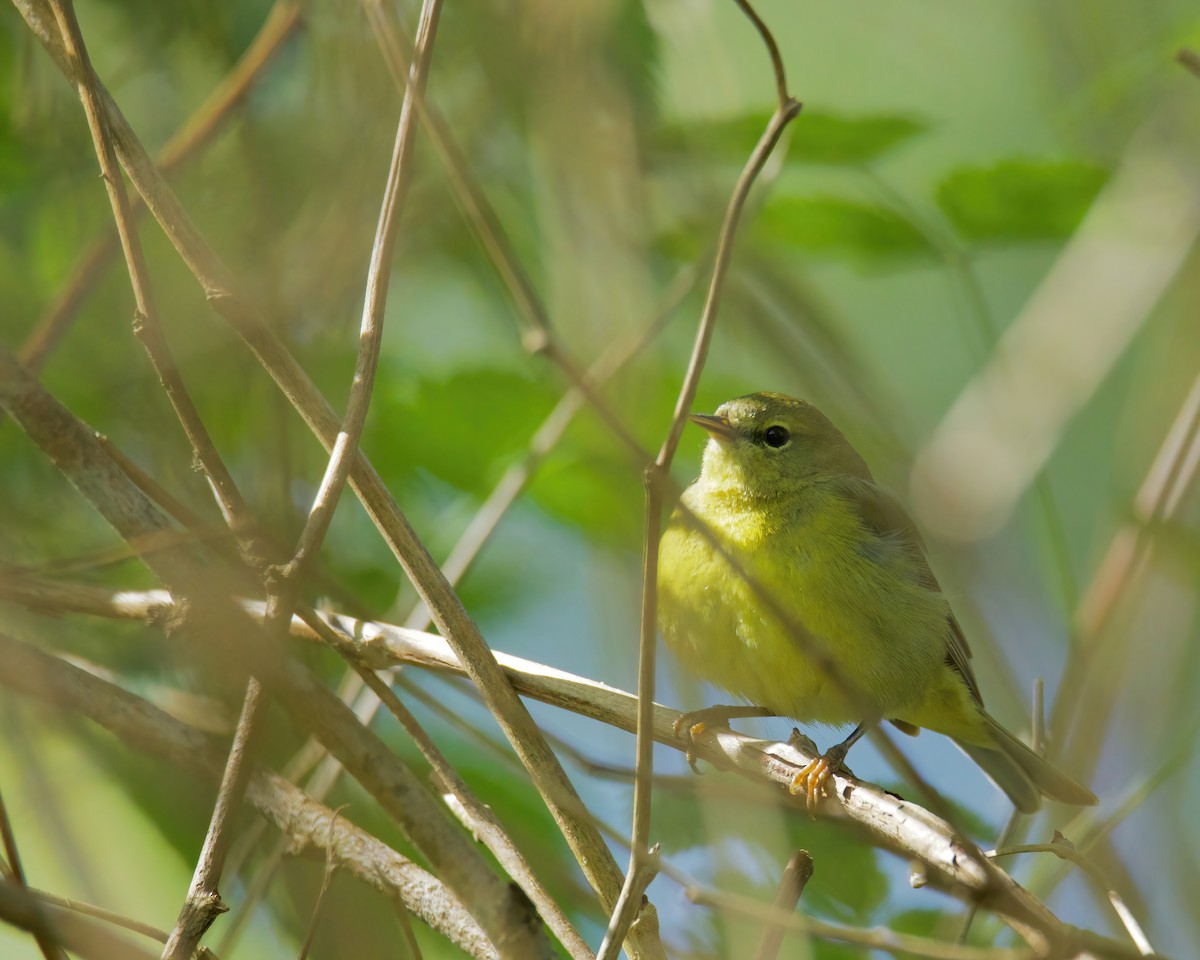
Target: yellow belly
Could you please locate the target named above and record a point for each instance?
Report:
(859, 639)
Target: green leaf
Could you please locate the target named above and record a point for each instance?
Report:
(463, 429)
(831, 138)
(838, 227)
(816, 137)
(1020, 200)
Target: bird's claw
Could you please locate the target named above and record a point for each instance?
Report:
(687, 727)
(812, 777)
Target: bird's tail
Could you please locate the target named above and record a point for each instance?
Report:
(1022, 774)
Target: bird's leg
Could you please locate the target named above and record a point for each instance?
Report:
(812, 777)
(688, 726)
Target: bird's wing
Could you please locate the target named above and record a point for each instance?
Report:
(882, 514)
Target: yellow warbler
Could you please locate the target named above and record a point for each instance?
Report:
(811, 597)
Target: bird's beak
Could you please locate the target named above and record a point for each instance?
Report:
(719, 428)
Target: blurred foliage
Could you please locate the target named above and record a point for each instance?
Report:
(945, 155)
(1017, 200)
(824, 137)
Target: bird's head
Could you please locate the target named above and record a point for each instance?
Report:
(767, 444)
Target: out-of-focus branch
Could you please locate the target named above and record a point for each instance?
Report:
(10, 867)
(196, 133)
(889, 821)
(448, 612)
(1096, 665)
(642, 860)
(80, 457)
(308, 825)
(796, 874)
(878, 939)
(81, 937)
(1065, 851)
(1002, 428)
(1189, 59)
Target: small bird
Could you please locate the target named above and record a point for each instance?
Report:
(809, 595)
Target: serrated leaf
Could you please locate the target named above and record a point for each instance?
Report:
(818, 137)
(838, 227)
(1020, 200)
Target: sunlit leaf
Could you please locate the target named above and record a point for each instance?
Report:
(1020, 200)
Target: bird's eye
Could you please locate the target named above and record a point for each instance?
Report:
(776, 436)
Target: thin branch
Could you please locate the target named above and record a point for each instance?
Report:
(643, 859)
(326, 881)
(108, 916)
(46, 941)
(196, 133)
(147, 324)
(203, 903)
(1016, 818)
(796, 874)
(1062, 849)
(308, 825)
(768, 38)
(370, 338)
(890, 821)
(77, 453)
(783, 115)
(879, 938)
(90, 941)
(479, 819)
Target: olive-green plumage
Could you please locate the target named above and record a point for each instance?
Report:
(795, 506)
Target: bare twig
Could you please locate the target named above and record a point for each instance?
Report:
(326, 880)
(308, 825)
(1016, 818)
(796, 874)
(890, 821)
(82, 938)
(79, 456)
(45, 938)
(203, 903)
(479, 819)
(370, 338)
(643, 859)
(147, 324)
(880, 938)
(99, 913)
(1064, 850)
(196, 133)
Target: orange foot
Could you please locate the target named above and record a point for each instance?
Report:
(810, 781)
(812, 778)
(688, 726)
